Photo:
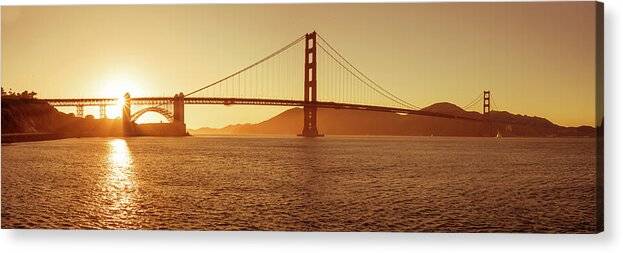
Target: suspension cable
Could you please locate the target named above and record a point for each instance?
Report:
(473, 102)
(493, 101)
(281, 50)
(358, 77)
(250, 66)
(364, 75)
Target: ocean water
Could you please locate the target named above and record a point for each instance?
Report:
(296, 184)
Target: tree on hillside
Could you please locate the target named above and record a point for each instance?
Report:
(24, 94)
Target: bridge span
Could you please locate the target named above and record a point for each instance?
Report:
(179, 102)
(275, 81)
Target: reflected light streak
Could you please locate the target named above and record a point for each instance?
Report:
(120, 179)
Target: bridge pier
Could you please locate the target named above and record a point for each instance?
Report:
(178, 110)
(80, 111)
(103, 112)
(126, 115)
(310, 128)
(178, 107)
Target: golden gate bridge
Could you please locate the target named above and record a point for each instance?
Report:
(329, 79)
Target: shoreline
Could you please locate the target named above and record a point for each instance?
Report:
(35, 137)
(31, 137)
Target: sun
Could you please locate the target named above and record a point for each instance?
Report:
(117, 87)
(120, 102)
(118, 107)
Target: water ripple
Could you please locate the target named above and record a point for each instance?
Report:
(296, 184)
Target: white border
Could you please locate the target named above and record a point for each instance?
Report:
(168, 241)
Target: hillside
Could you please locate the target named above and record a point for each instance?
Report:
(353, 122)
(32, 116)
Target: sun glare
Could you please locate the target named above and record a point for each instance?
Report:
(117, 87)
(120, 102)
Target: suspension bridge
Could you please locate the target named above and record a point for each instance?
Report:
(329, 80)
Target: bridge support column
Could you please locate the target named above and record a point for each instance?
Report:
(126, 115)
(80, 111)
(309, 109)
(178, 107)
(103, 112)
(178, 110)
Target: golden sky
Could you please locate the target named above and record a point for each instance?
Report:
(536, 58)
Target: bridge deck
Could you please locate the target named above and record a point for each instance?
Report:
(246, 101)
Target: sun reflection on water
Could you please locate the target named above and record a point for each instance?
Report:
(120, 179)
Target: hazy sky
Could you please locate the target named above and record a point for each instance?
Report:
(536, 58)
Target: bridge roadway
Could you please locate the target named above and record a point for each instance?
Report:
(154, 101)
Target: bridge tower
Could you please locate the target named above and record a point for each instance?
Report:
(309, 111)
(126, 115)
(178, 107)
(486, 108)
(178, 110)
(486, 102)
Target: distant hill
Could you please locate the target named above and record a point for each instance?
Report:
(355, 122)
